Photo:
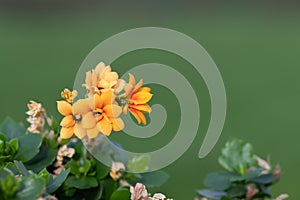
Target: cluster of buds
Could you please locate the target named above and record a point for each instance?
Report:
(63, 151)
(37, 117)
(139, 192)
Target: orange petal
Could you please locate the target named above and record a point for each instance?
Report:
(67, 121)
(98, 102)
(105, 127)
(141, 97)
(141, 107)
(64, 108)
(135, 114)
(66, 133)
(144, 89)
(103, 84)
(89, 120)
(117, 124)
(142, 117)
(112, 110)
(107, 97)
(94, 132)
(82, 106)
(138, 86)
(79, 131)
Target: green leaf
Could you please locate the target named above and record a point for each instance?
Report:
(14, 143)
(264, 179)
(21, 168)
(53, 185)
(83, 182)
(12, 167)
(237, 191)
(45, 175)
(212, 194)
(218, 180)
(101, 170)
(237, 156)
(110, 187)
(248, 175)
(139, 164)
(29, 145)
(43, 159)
(32, 187)
(12, 129)
(122, 193)
(154, 179)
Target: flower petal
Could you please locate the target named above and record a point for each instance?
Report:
(112, 110)
(131, 79)
(117, 124)
(107, 97)
(66, 133)
(94, 132)
(67, 121)
(89, 120)
(135, 114)
(82, 106)
(142, 107)
(79, 131)
(105, 127)
(141, 97)
(64, 108)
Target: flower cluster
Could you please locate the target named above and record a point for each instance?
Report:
(37, 117)
(139, 192)
(106, 99)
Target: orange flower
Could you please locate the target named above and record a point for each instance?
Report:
(137, 97)
(101, 79)
(104, 116)
(72, 121)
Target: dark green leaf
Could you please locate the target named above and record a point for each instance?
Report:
(32, 187)
(43, 159)
(53, 185)
(29, 145)
(154, 179)
(110, 187)
(237, 191)
(248, 175)
(14, 143)
(101, 170)
(21, 168)
(12, 129)
(212, 194)
(218, 180)
(83, 182)
(119, 194)
(264, 179)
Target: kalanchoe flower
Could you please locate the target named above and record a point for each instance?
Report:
(72, 121)
(37, 117)
(263, 164)
(139, 192)
(104, 115)
(115, 170)
(137, 98)
(102, 79)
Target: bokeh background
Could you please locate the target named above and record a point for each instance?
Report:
(255, 44)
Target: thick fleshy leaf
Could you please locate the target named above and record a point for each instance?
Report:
(212, 194)
(29, 145)
(122, 193)
(12, 129)
(84, 182)
(53, 185)
(154, 179)
(218, 180)
(64, 108)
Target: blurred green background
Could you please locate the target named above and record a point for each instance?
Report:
(256, 47)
